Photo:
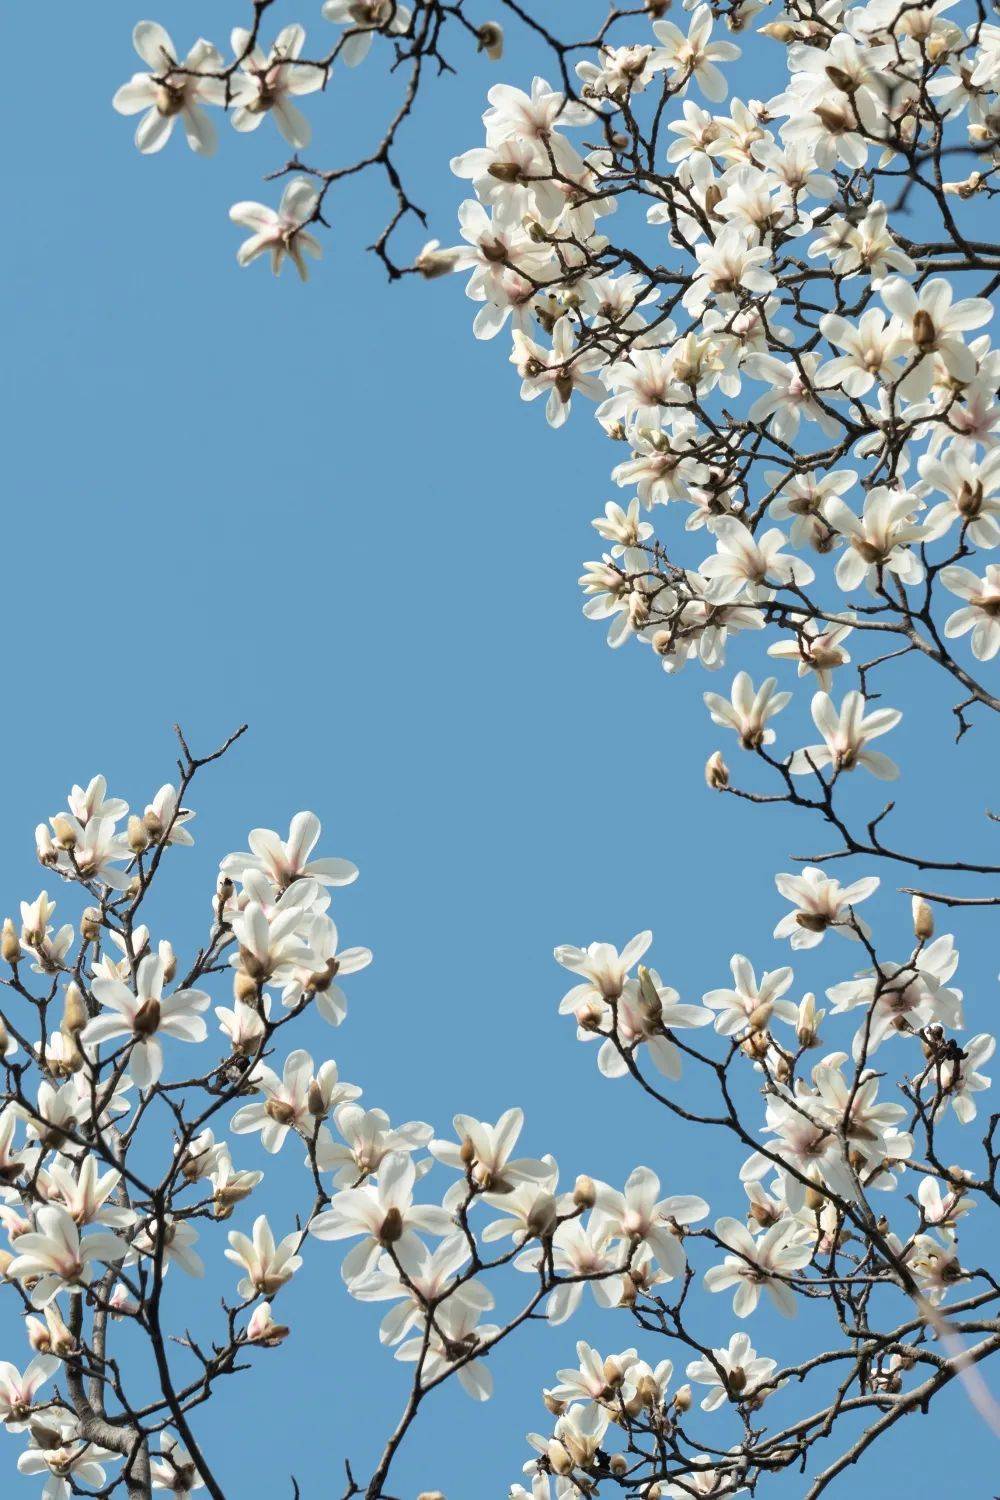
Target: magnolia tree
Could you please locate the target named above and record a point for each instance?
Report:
(806, 399)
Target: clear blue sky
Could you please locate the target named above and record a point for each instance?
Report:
(324, 510)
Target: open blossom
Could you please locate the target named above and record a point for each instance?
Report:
(382, 1214)
(880, 540)
(821, 902)
(286, 860)
(145, 1016)
(174, 89)
(779, 1252)
(757, 562)
(749, 709)
(735, 1373)
(59, 1450)
(280, 233)
(639, 1213)
(174, 1470)
(299, 1100)
(484, 1152)
(749, 1004)
(362, 18)
(268, 1263)
(846, 738)
(266, 84)
(814, 649)
(18, 1392)
(695, 55)
(602, 969)
(367, 1137)
(929, 323)
(981, 612)
(54, 1255)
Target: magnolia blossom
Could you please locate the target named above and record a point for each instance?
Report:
(821, 902)
(734, 1373)
(266, 83)
(174, 89)
(280, 233)
(762, 1263)
(145, 1016)
(383, 1215)
(981, 614)
(846, 737)
(268, 1264)
(54, 1256)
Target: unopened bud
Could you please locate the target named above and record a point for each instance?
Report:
(589, 1016)
(262, 1329)
(584, 1192)
(137, 836)
(10, 943)
(245, 988)
(716, 772)
(38, 1335)
(489, 39)
(169, 960)
(392, 1227)
(682, 1399)
(760, 1016)
(923, 920)
(555, 1404)
(543, 1218)
(75, 1015)
(559, 1460)
(63, 831)
(315, 1102)
(90, 924)
(779, 31)
(649, 1000)
(61, 1341)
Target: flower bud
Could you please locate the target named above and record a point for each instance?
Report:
(137, 837)
(10, 943)
(716, 772)
(584, 1192)
(805, 1025)
(6, 1261)
(489, 39)
(559, 1460)
(262, 1329)
(75, 1015)
(760, 1016)
(315, 1102)
(555, 1404)
(38, 1335)
(4, 1038)
(682, 1399)
(433, 262)
(90, 924)
(61, 1341)
(649, 1001)
(543, 1218)
(589, 1016)
(779, 31)
(245, 988)
(923, 920)
(63, 831)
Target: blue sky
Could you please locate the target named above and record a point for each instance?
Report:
(323, 510)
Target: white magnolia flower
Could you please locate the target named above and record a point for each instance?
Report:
(640, 1214)
(748, 710)
(145, 1016)
(173, 89)
(749, 1003)
(18, 1392)
(53, 1256)
(695, 55)
(734, 1373)
(880, 540)
(299, 1100)
(779, 1252)
(363, 18)
(280, 233)
(286, 860)
(269, 1265)
(384, 1215)
(821, 902)
(266, 84)
(175, 1469)
(757, 562)
(846, 737)
(981, 613)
